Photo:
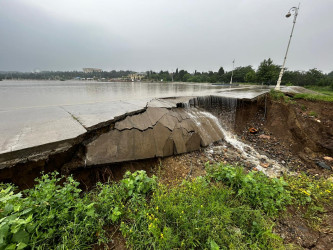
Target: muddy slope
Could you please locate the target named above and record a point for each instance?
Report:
(298, 134)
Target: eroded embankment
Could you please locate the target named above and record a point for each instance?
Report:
(155, 132)
(288, 138)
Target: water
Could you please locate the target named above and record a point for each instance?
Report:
(29, 94)
(246, 151)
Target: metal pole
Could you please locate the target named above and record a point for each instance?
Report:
(295, 9)
(232, 73)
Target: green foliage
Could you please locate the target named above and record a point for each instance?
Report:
(313, 194)
(268, 72)
(268, 194)
(278, 95)
(198, 214)
(326, 94)
(138, 182)
(50, 216)
(227, 209)
(308, 189)
(312, 97)
(313, 113)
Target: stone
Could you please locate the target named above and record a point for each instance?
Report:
(328, 158)
(264, 165)
(323, 165)
(266, 137)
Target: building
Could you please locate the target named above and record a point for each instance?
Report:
(91, 70)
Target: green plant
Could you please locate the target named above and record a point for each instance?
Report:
(313, 113)
(197, 214)
(138, 182)
(276, 95)
(15, 219)
(312, 195)
(268, 194)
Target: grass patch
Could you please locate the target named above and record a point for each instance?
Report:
(228, 209)
(278, 96)
(326, 94)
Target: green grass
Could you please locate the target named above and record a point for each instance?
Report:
(326, 94)
(227, 209)
(280, 96)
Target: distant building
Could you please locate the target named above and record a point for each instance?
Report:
(136, 76)
(91, 70)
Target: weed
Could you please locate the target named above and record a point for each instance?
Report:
(276, 95)
(312, 194)
(313, 113)
(255, 188)
(326, 94)
(228, 208)
(198, 214)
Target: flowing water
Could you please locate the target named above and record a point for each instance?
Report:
(247, 152)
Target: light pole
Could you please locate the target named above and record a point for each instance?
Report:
(295, 10)
(232, 73)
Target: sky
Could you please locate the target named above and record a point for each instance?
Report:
(143, 35)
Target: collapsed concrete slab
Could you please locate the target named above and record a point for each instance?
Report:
(157, 132)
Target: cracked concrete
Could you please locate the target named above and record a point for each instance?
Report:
(35, 133)
(158, 132)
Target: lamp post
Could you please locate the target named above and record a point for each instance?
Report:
(232, 73)
(295, 10)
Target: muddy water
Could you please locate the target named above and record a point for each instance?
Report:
(24, 94)
(246, 152)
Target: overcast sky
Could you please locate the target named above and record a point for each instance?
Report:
(163, 34)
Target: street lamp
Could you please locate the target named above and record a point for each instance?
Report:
(232, 73)
(295, 11)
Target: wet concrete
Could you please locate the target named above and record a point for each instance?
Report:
(37, 131)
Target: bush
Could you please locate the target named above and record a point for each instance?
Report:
(255, 188)
(198, 214)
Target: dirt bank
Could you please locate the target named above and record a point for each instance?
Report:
(298, 134)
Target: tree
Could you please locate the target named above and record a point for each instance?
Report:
(268, 72)
(220, 72)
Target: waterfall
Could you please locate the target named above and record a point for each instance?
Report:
(245, 150)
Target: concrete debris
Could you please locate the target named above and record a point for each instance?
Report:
(323, 165)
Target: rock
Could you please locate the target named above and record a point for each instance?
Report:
(264, 165)
(323, 165)
(328, 158)
(267, 137)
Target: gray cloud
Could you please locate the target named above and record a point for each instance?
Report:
(162, 34)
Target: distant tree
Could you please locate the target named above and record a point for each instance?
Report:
(181, 75)
(268, 72)
(330, 75)
(220, 72)
(250, 77)
(240, 73)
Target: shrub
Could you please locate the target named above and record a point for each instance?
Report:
(268, 194)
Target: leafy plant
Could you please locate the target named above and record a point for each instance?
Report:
(268, 194)
(313, 113)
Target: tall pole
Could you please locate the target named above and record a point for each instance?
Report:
(295, 9)
(232, 73)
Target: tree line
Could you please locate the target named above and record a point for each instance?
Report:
(64, 75)
(267, 73)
